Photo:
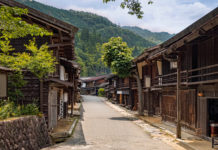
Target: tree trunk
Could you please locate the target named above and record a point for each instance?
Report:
(140, 100)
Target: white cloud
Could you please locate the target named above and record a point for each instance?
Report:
(163, 15)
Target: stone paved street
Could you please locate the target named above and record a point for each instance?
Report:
(104, 128)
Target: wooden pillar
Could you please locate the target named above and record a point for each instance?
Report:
(178, 101)
(160, 102)
(149, 103)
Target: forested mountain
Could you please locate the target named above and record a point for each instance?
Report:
(155, 37)
(94, 30)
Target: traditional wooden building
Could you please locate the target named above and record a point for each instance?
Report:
(147, 71)
(182, 72)
(57, 93)
(111, 88)
(123, 91)
(90, 85)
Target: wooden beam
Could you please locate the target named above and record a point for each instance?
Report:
(193, 35)
(60, 45)
(178, 100)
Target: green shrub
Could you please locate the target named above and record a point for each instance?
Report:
(9, 109)
(101, 92)
(30, 109)
(6, 110)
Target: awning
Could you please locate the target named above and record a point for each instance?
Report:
(75, 64)
(103, 85)
(65, 83)
(5, 68)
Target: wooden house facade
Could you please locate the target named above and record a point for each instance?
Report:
(57, 93)
(90, 85)
(123, 91)
(148, 70)
(180, 76)
(111, 88)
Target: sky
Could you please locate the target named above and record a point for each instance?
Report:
(163, 15)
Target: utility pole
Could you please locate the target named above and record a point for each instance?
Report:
(178, 101)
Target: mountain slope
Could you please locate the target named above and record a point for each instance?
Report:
(155, 37)
(85, 20)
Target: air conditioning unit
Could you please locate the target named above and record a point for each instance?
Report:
(66, 76)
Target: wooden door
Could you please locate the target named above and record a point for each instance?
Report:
(135, 100)
(202, 116)
(120, 98)
(52, 108)
(188, 107)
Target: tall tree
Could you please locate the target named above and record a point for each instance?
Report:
(117, 55)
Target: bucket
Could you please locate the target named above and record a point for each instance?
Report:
(214, 129)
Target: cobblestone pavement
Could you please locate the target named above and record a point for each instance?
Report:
(105, 126)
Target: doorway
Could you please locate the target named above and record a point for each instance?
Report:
(212, 113)
(52, 101)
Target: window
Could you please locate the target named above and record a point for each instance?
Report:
(173, 65)
(3, 85)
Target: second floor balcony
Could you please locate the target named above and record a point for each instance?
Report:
(201, 75)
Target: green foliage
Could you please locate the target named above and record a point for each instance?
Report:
(117, 55)
(30, 109)
(9, 109)
(39, 61)
(94, 30)
(101, 92)
(134, 6)
(15, 83)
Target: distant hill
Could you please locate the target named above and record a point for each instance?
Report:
(95, 30)
(155, 37)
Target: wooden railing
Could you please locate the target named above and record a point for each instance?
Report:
(207, 74)
(122, 85)
(111, 86)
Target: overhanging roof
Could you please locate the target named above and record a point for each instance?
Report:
(5, 69)
(146, 53)
(75, 64)
(35, 14)
(190, 28)
(65, 83)
(210, 18)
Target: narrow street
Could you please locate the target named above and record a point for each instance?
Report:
(103, 128)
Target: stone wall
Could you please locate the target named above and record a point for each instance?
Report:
(25, 133)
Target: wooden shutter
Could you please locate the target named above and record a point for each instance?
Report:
(3, 85)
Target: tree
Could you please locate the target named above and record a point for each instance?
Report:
(117, 55)
(134, 6)
(39, 61)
